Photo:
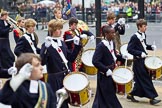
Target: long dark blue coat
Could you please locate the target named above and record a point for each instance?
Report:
(143, 86)
(22, 98)
(55, 66)
(106, 91)
(7, 58)
(23, 46)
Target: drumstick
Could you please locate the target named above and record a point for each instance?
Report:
(119, 77)
(126, 62)
(154, 50)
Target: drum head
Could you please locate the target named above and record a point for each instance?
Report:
(87, 57)
(124, 51)
(122, 75)
(75, 81)
(153, 62)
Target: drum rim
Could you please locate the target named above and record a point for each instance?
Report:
(76, 73)
(122, 67)
(150, 57)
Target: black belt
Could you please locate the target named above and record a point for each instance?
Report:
(65, 72)
(3, 38)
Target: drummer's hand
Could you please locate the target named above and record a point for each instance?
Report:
(109, 72)
(76, 40)
(92, 38)
(12, 71)
(83, 36)
(124, 56)
(48, 41)
(143, 55)
(153, 47)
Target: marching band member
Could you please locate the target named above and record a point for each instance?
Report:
(138, 47)
(104, 59)
(28, 42)
(7, 58)
(58, 13)
(20, 30)
(55, 56)
(25, 90)
(119, 28)
(72, 32)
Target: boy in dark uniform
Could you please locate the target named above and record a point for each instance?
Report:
(20, 30)
(7, 58)
(25, 90)
(104, 59)
(138, 47)
(55, 56)
(28, 42)
(72, 32)
(119, 28)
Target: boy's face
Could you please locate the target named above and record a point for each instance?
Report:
(22, 23)
(30, 29)
(57, 33)
(36, 73)
(111, 35)
(112, 21)
(58, 14)
(142, 28)
(73, 26)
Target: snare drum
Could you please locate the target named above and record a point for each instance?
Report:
(153, 64)
(86, 58)
(123, 51)
(123, 79)
(77, 86)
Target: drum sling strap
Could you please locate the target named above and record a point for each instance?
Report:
(30, 43)
(111, 49)
(141, 38)
(60, 52)
(43, 96)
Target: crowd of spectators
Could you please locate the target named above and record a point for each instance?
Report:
(128, 10)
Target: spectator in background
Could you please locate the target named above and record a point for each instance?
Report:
(34, 14)
(68, 11)
(43, 13)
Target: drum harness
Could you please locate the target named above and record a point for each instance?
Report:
(31, 43)
(59, 51)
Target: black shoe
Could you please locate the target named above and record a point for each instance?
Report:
(130, 97)
(154, 101)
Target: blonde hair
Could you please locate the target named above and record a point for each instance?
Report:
(4, 13)
(20, 19)
(54, 25)
(30, 23)
(56, 10)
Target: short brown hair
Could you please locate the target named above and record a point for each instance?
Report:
(25, 58)
(30, 23)
(141, 22)
(110, 16)
(54, 25)
(73, 20)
